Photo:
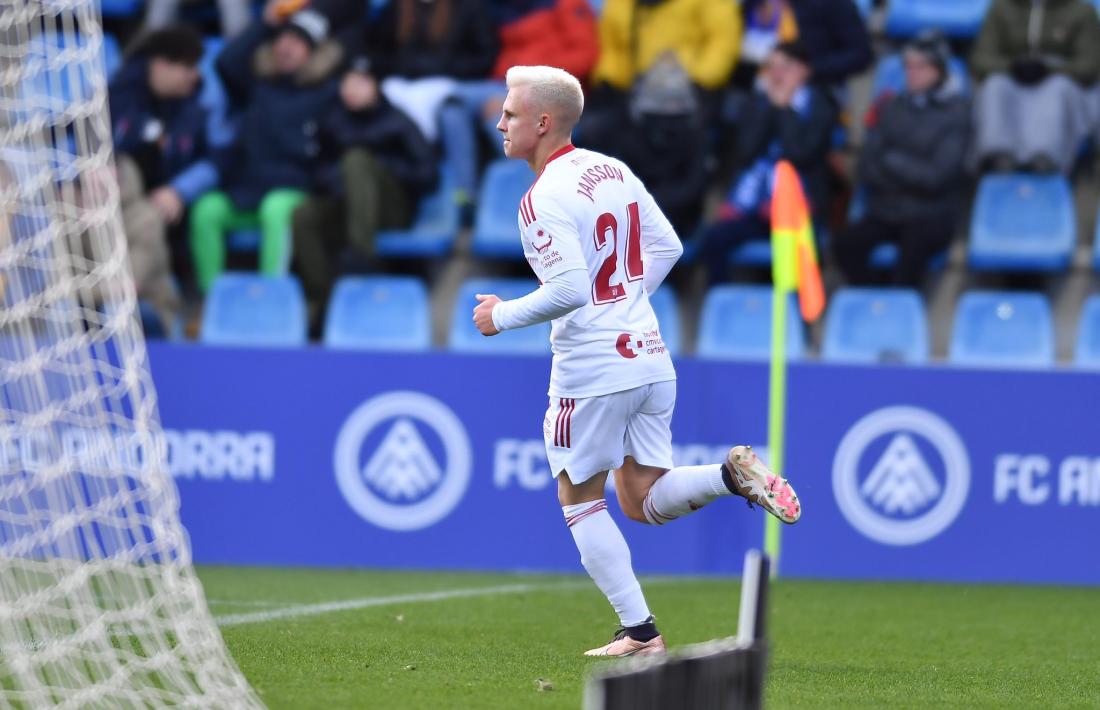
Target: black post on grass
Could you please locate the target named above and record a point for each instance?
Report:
(725, 674)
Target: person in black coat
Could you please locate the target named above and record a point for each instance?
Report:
(163, 156)
(788, 119)
(912, 168)
(832, 31)
(377, 165)
(281, 73)
(424, 52)
(665, 143)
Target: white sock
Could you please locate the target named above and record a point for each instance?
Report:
(607, 558)
(683, 490)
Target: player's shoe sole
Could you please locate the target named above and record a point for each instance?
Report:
(625, 646)
(758, 485)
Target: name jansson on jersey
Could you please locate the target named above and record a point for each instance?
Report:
(594, 176)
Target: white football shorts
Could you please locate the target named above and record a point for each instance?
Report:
(588, 436)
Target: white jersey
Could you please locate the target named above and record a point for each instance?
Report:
(589, 211)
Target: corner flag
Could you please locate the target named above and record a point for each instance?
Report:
(794, 267)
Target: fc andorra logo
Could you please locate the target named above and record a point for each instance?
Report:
(403, 460)
(901, 475)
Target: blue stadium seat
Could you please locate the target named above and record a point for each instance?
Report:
(736, 324)
(758, 252)
(890, 76)
(955, 18)
(496, 225)
(221, 125)
(1022, 222)
(464, 336)
(253, 310)
(1087, 351)
(666, 306)
(1002, 329)
(121, 8)
(112, 54)
(864, 7)
(433, 232)
(379, 313)
(876, 325)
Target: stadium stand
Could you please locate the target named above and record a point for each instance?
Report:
(869, 325)
(464, 336)
(378, 313)
(955, 18)
(1002, 329)
(503, 186)
(736, 324)
(247, 309)
(1022, 222)
(1087, 350)
(433, 232)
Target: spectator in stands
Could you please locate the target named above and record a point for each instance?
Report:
(788, 118)
(561, 33)
(422, 51)
(912, 167)
(1036, 60)
(703, 36)
(668, 147)
(283, 72)
(832, 32)
(377, 166)
(163, 151)
(235, 15)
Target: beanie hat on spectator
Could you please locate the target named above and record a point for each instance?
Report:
(310, 25)
(931, 45)
(665, 90)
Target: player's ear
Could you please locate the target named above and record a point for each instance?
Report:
(545, 122)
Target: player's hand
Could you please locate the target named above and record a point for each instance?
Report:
(483, 314)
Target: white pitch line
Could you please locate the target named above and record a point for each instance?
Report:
(298, 610)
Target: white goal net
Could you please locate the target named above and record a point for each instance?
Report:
(99, 606)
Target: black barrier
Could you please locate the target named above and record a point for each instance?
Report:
(726, 674)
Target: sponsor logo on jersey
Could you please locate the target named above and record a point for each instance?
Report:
(403, 461)
(628, 345)
(901, 475)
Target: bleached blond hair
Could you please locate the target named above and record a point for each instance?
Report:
(552, 90)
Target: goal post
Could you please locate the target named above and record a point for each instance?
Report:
(99, 604)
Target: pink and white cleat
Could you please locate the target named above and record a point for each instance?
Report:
(758, 485)
(622, 646)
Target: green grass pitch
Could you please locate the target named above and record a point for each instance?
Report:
(353, 639)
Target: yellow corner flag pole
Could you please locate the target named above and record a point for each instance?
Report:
(794, 266)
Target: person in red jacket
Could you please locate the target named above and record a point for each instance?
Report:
(559, 33)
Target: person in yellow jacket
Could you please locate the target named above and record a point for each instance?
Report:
(704, 35)
(701, 36)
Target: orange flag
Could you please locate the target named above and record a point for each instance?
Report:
(794, 256)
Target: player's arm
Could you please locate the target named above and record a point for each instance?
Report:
(560, 267)
(661, 248)
(561, 295)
